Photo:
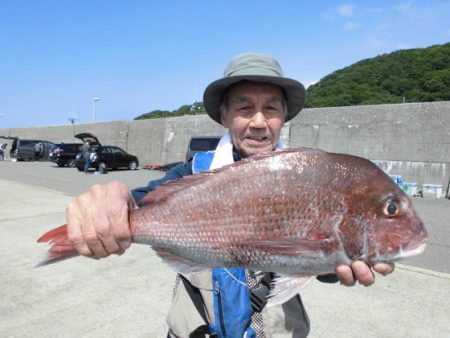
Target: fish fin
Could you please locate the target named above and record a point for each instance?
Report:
(177, 263)
(262, 156)
(53, 235)
(286, 287)
(170, 188)
(292, 246)
(61, 247)
(276, 152)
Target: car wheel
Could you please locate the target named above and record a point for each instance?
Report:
(61, 164)
(71, 162)
(80, 168)
(133, 165)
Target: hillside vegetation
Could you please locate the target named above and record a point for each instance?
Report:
(187, 109)
(412, 75)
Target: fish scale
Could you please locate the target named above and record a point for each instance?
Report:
(266, 203)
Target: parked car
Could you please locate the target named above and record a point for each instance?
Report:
(65, 153)
(105, 157)
(23, 149)
(201, 143)
(108, 157)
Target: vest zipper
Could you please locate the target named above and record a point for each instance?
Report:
(219, 299)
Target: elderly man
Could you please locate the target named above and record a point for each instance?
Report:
(253, 100)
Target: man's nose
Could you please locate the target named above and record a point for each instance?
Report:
(258, 120)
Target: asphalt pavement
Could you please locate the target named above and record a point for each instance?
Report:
(129, 296)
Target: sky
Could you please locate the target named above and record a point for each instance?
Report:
(137, 56)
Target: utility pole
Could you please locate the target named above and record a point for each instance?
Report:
(94, 101)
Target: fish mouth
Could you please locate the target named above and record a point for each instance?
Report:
(402, 254)
(411, 253)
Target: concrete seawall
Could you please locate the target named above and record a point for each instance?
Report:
(412, 139)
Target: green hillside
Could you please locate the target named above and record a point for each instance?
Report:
(413, 75)
(187, 109)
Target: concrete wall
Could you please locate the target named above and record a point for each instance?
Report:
(146, 140)
(398, 132)
(410, 139)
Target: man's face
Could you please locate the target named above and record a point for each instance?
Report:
(254, 116)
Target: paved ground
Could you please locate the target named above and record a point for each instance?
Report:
(128, 296)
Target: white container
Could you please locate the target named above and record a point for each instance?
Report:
(432, 190)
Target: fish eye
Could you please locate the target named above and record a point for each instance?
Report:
(391, 209)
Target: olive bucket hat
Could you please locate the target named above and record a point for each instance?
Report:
(259, 68)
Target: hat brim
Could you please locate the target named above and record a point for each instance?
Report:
(293, 90)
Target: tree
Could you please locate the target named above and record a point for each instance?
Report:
(418, 74)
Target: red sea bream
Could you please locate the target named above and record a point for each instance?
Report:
(296, 212)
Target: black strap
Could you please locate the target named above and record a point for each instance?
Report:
(258, 296)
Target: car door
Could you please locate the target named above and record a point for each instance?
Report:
(107, 157)
(26, 149)
(119, 157)
(46, 150)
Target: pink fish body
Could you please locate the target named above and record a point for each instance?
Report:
(294, 212)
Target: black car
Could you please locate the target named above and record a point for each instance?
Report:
(105, 157)
(108, 157)
(65, 153)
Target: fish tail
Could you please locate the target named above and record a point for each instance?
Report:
(61, 247)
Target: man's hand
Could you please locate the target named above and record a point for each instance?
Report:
(97, 220)
(361, 272)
